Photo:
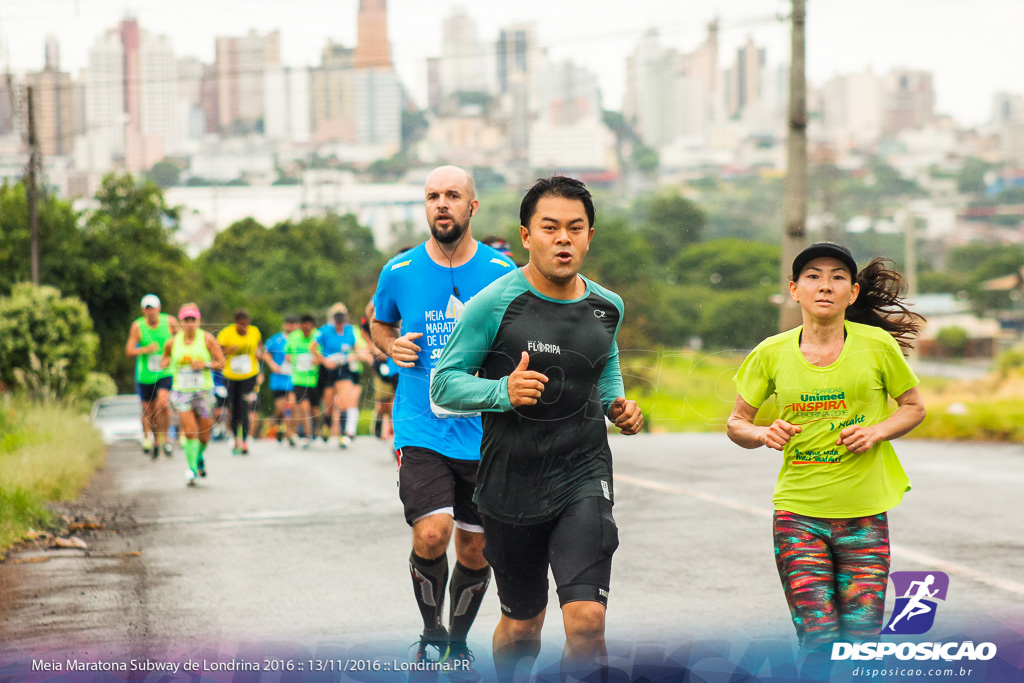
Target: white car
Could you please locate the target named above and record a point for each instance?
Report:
(119, 418)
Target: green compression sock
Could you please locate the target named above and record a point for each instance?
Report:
(192, 453)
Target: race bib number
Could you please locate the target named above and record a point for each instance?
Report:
(190, 380)
(444, 412)
(153, 363)
(338, 358)
(240, 365)
(286, 368)
(304, 362)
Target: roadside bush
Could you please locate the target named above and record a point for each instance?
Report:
(47, 344)
(953, 340)
(96, 385)
(1010, 360)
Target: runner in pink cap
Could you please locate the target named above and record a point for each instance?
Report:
(189, 311)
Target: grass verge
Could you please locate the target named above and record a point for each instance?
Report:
(47, 453)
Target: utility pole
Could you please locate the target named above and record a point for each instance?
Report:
(31, 183)
(910, 252)
(794, 205)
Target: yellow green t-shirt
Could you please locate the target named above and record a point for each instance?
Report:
(242, 364)
(819, 478)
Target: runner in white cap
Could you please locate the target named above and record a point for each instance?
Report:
(146, 341)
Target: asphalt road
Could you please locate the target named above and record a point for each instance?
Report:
(306, 552)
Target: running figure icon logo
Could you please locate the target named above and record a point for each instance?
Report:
(916, 593)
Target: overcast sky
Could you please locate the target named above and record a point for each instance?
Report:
(973, 47)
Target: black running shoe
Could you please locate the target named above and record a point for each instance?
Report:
(431, 649)
(458, 665)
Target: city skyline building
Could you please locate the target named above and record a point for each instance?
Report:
(287, 106)
(909, 100)
(568, 94)
(241, 63)
(373, 50)
(650, 102)
(745, 78)
(518, 63)
(54, 95)
(378, 94)
(333, 94)
(464, 61)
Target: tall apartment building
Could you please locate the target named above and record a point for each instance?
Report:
(105, 96)
(241, 65)
(378, 94)
(287, 104)
(333, 95)
(851, 109)
(745, 78)
(158, 97)
(54, 104)
(672, 95)
(909, 100)
(373, 51)
(518, 63)
(650, 100)
(130, 107)
(188, 94)
(463, 63)
(569, 133)
(568, 94)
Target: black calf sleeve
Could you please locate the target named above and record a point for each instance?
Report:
(467, 592)
(428, 582)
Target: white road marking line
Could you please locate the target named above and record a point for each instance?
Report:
(954, 568)
(717, 500)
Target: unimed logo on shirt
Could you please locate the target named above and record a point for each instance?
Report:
(916, 596)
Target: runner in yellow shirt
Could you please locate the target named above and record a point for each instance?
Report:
(832, 379)
(243, 350)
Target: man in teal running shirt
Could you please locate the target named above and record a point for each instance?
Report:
(535, 352)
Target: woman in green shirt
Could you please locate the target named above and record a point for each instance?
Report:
(832, 378)
(190, 355)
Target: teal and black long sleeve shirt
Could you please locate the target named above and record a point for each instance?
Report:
(535, 460)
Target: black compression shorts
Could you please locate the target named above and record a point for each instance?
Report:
(577, 545)
(148, 392)
(303, 393)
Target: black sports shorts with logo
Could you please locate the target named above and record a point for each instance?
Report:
(578, 545)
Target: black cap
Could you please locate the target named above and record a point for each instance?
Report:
(823, 249)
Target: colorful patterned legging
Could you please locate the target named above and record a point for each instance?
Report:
(834, 573)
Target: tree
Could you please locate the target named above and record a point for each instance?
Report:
(56, 331)
(414, 125)
(727, 264)
(645, 159)
(390, 169)
(971, 179)
(60, 248)
(671, 222)
(623, 260)
(128, 249)
(165, 174)
(953, 340)
(290, 268)
(738, 319)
